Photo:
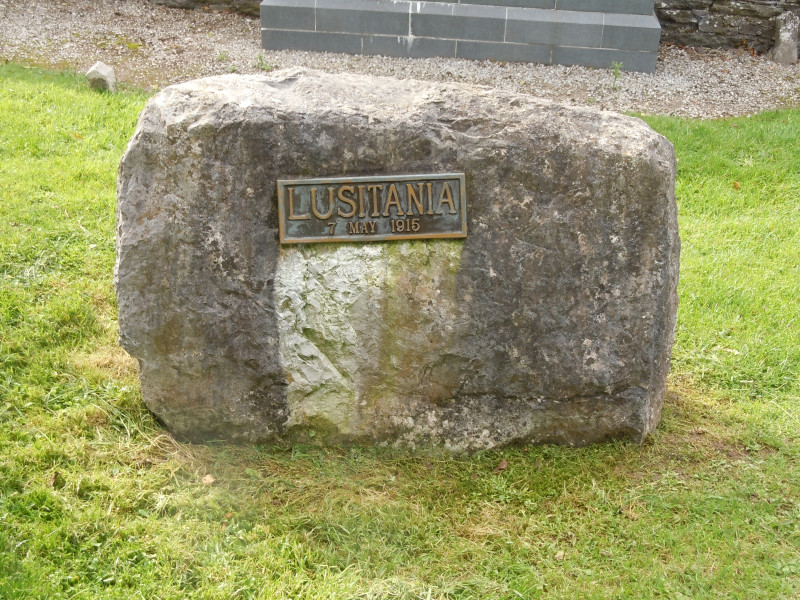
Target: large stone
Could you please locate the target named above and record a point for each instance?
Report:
(551, 322)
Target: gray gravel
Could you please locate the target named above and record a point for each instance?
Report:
(153, 46)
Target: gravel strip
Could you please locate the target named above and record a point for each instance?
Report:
(152, 46)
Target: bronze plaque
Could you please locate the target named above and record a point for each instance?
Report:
(369, 209)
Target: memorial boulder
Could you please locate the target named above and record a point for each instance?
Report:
(345, 258)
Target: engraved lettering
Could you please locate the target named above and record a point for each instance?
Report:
(393, 200)
(364, 227)
(375, 189)
(361, 212)
(315, 210)
(446, 196)
(292, 216)
(349, 200)
(412, 197)
(430, 198)
(405, 225)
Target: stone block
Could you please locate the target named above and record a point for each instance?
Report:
(406, 46)
(509, 52)
(458, 21)
(552, 321)
(313, 41)
(360, 16)
(289, 14)
(603, 58)
(631, 32)
(634, 7)
(549, 4)
(533, 26)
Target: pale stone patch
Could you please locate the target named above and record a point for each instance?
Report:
(341, 359)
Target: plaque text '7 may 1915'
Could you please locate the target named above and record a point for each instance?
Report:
(362, 209)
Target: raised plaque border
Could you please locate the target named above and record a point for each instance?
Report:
(282, 184)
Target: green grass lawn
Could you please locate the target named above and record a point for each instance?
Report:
(96, 501)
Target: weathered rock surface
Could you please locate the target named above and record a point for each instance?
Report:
(551, 322)
(101, 77)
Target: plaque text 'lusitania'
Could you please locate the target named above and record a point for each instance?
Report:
(361, 209)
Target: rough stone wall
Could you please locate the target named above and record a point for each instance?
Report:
(722, 23)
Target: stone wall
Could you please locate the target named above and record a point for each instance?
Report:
(592, 33)
(722, 23)
(711, 23)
